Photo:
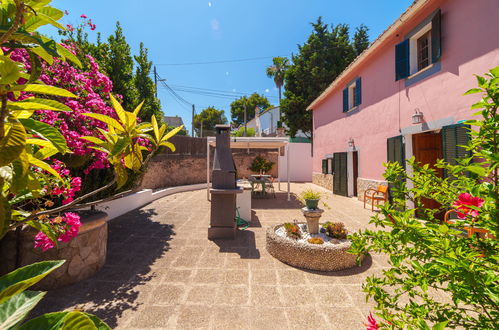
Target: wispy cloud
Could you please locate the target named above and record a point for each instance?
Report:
(215, 24)
(209, 3)
(226, 73)
(267, 90)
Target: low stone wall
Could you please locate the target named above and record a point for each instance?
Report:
(364, 184)
(174, 170)
(323, 180)
(84, 255)
(171, 170)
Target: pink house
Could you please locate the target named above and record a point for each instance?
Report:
(402, 96)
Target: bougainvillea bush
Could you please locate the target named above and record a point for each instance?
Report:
(49, 109)
(442, 274)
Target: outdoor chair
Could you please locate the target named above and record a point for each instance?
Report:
(467, 230)
(269, 186)
(376, 196)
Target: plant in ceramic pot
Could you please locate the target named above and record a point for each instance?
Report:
(311, 198)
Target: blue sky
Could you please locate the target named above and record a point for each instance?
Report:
(194, 31)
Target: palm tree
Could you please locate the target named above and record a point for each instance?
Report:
(277, 71)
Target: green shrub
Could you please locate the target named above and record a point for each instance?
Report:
(260, 164)
(335, 230)
(429, 259)
(292, 230)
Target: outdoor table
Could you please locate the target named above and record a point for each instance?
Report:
(259, 179)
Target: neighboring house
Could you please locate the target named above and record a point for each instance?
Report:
(175, 121)
(268, 123)
(402, 97)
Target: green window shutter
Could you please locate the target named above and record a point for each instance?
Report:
(402, 60)
(453, 137)
(436, 43)
(396, 150)
(324, 166)
(345, 100)
(358, 92)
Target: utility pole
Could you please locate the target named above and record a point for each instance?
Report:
(244, 117)
(155, 82)
(201, 128)
(192, 123)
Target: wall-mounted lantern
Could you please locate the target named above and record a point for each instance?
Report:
(351, 143)
(417, 118)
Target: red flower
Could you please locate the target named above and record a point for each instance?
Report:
(371, 323)
(83, 16)
(462, 205)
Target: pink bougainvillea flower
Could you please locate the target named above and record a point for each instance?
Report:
(70, 27)
(371, 323)
(463, 204)
(83, 16)
(42, 241)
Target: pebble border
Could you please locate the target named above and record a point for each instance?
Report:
(321, 257)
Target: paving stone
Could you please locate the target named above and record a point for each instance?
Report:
(163, 272)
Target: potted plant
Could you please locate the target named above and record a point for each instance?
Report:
(311, 198)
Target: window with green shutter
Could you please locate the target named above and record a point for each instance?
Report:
(352, 95)
(396, 150)
(324, 166)
(454, 137)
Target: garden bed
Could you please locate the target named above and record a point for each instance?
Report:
(332, 255)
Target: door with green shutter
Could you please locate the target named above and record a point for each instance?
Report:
(395, 153)
(453, 138)
(340, 179)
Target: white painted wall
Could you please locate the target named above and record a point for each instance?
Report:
(300, 163)
(120, 206)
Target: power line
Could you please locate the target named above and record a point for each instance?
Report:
(217, 91)
(218, 62)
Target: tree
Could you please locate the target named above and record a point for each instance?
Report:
(277, 71)
(237, 107)
(250, 131)
(209, 117)
(145, 86)
(327, 52)
(361, 39)
(119, 67)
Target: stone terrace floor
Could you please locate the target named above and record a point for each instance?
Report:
(162, 272)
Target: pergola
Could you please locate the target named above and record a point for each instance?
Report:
(251, 143)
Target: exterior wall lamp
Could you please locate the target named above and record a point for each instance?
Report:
(351, 143)
(417, 118)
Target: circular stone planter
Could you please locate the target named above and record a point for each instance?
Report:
(84, 254)
(322, 257)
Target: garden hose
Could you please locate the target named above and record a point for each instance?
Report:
(240, 222)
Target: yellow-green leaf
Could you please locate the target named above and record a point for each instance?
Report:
(9, 70)
(105, 119)
(13, 143)
(44, 166)
(172, 133)
(43, 54)
(155, 128)
(68, 55)
(93, 139)
(137, 109)
(43, 89)
(119, 110)
(168, 145)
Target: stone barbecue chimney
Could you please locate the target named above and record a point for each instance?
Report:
(224, 188)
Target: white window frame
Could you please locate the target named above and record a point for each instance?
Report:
(413, 50)
(351, 95)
